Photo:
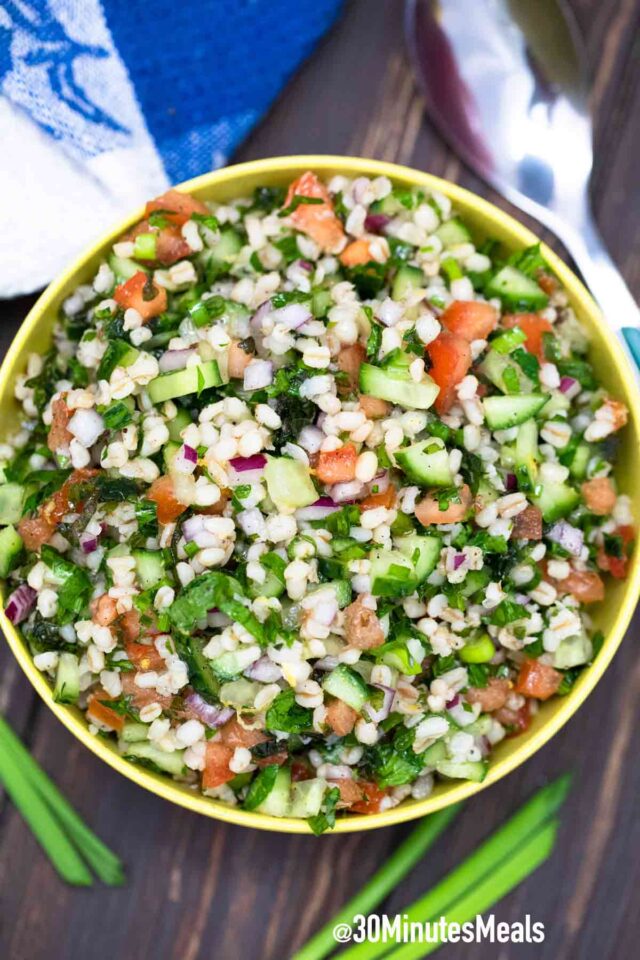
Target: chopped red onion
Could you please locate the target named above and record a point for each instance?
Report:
(175, 360)
(89, 544)
(293, 315)
(511, 482)
(322, 508)
(190, 455)
(380, 483)
(305, 264)
(20, 603)
(376, 222)
(568, 537)
(242, 464)
(211, 716)
(258, 374)
(377, 716)
(264, 670)
(458, 560)
(347, 492)
(567, 383)
(263, 311)
(455, 700)
(326, 663)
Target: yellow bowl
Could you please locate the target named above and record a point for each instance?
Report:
(613, 368)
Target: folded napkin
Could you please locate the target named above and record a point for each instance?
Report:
(103, 104)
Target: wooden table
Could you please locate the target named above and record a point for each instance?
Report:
(199, 890)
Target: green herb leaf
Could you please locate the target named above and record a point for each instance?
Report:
(287, 716)
(326, 820)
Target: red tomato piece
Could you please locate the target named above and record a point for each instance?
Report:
(140, 293)
(356, 253)
(470, 319)
(450, 357)
(533, 327)
(144, 656)
(176, 207)
(599, 495)
(216, 770)
(337, 466)
(341, 717)
(537, 680)
(317, 220)
(233, 734)
(59, 435)
(585, 585)
(428, 510)
(102, 715)
(373, 407)
(161, 492)
(350, 359)
(386, 499)
(371, 799)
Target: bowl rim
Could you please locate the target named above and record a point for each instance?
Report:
(518, 234)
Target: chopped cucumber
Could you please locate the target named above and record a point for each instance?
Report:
(558, 403)
(134, 732)
(580, 462)
(278, 800)
(348, 686)
(480, 650)
(406, 280)
(556, 500)
(147, 753)
(396, 386)
(67, 685)
(452, 233)
(573, 652)
(423, 552)
(10, 550)
(467, 770)
(289, 484)
(389, 205)
(177, 425)
(426, 463)
(11, 500)
(526, 450)
(272, 586)
(183, 382)
(239, 693)
(343, 592)
(475, 580)
(494, 367)
(434, 754)
(321, 302)
(403, 655)
(232, 664)
(307, 797)
(169, 452)
(149, 568)
(123, 268)
(516, 290)
(392, 574)
(227, 248)
(504, 412)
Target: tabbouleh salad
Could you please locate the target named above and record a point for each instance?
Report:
(311, 495)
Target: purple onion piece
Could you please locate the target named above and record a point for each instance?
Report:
(458, 560)
(566, 383)
(380, 714)
(256, 462)
(264, 670)
(305, 264)
(189, 453)
(174, 360)
(256, 320)
(455, 700)
(89, 544)
(322, 508)
(568, 537)
(376, 222)
(211, 716)
(20, 603)
(511, 482)
(293, 315)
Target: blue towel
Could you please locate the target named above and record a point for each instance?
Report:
(105, 103)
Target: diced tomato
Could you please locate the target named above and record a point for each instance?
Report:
(317, 220)
(518, 721)
(337, 466)
(350, 359)
(161, 492)
(362, 627)
(38, 530)
(142, 696)
(35, 531)
(386, 499)
(585, 585)
(537, 680)
(547, 283)
(492, 697)
(470, 319)
(341, 717)
(233, 734)
(59, 435)
(104, 610)
(171, 246)
(617, 566)
(533, 327)
(350, 792)
(144, 656)
(356, 253)
(373, 407)
(102, 715)
(176, 207)
(278, 758)
(450, 360)
(216, 765)
(371, 800)
(140, 293)
(599, 495)
(131, 628)
(428, 510)
(237, 361)
(300, 770)
(527, 525)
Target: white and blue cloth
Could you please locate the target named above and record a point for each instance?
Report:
(106, 102)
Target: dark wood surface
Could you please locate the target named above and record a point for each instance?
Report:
(198, 889)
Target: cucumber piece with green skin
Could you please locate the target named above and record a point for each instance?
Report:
(149, 568)
(346, 685)
(396, 386)
(494, 366)
(307, 797)
(321, 302)
(475, 580)
(184, 382)
(289, 484)
(144, 750)
(423, 552)
(389, 205)
(67, 685)
(406, 280)
(177, 425)
(227, 248)
(10, 550)
(392, 574)
(580, 462)
(466, 770)
(501, 413)
(480, 650)
(11, 500)
(516, 290)
(434, 754)
(398, 655)
(169, 453)
(239, 693)
(272, 586)
(124, 268)
(453, 232)
(556, 500)
(558, 403)
(426, 463)
(232, 664)
(573, 652)
(278, 800)
(526, 451)
(134, 732)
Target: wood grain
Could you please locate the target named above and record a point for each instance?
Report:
(198, 889)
